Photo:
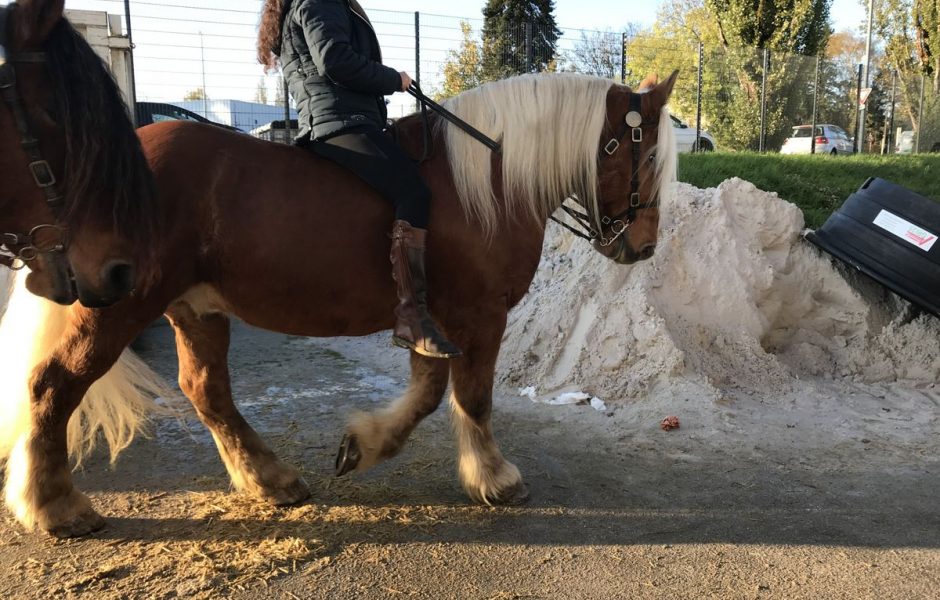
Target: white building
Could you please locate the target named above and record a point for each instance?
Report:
(105, 34)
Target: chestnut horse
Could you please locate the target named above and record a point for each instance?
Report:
(292, 243)
(77, 200)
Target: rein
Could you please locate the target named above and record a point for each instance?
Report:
(415, 90)
(18, 249)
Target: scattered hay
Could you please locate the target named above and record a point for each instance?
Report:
(206, 544)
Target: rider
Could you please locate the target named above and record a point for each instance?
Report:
(331, 59)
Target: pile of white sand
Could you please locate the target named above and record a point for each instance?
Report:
(733, 299)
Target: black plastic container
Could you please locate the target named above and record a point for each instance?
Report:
(889, 233)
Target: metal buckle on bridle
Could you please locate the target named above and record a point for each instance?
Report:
(31, 248)
(612, 146)
(42, 174)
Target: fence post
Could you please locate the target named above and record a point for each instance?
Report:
(812, 131)
(763, 101)
(417, 55)
(857, 146)
(889, 135)
(528, 47)
(130, 57)
(698, 109)
(920, 115)
(623, 58)
(288, 130)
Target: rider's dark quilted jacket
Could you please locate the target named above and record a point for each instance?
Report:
(333, 65)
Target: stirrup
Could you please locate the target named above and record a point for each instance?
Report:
(403, 343)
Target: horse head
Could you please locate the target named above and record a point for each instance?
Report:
(76, 205)
(638, 160)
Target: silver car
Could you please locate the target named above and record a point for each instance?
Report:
(830, 139)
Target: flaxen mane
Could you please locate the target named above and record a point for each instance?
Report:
(549, 126)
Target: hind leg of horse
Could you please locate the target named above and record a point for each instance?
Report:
(202, 343)
(484, 473)
(39, 488)
(374, 437)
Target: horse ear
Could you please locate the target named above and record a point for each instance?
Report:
(34, 20)
(648, 83)
(659, 93)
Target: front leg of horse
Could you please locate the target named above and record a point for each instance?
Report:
(202, 343)
(39, 487)
(484, 473)
(373, 437)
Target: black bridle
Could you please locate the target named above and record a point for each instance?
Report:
(18, 249)
(621, 222)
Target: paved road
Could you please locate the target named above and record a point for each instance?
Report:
(618, 509)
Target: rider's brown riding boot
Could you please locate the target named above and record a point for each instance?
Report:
(414, 328)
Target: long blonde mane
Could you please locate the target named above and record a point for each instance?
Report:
(549, 126)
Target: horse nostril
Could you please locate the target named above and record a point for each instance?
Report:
(119, 277)
(647, 251)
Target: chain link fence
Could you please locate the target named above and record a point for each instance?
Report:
(201, 57)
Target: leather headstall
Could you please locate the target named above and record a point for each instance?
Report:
(17, 249)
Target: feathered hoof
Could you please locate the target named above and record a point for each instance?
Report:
(516, 495)
(69, 517)
(79, 526)
(292, 493)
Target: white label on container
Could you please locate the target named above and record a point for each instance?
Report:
(906, 230)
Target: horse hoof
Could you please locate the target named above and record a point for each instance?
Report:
(348, 457)
(514, 496)
(294, 493)
(78, 526)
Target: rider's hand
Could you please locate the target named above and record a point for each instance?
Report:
(405, 81)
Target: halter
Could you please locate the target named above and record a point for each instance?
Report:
(633, 122)
(42, 238)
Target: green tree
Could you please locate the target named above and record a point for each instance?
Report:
(927, 31)
(505, 48)
(791, 26)
(734, 35)
(910, 33)
(463, 68)
(837, 80)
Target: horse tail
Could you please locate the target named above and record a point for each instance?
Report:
(115, 407)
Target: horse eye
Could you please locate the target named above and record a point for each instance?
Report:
(652, 157)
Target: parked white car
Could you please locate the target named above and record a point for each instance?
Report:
(830, 139)
(685, 137)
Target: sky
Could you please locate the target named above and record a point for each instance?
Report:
(181, 43)
(596, 14)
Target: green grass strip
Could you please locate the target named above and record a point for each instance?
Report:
(817, 184)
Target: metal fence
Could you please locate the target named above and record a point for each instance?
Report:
(741, 99)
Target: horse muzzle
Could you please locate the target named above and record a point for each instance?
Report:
(621, 253)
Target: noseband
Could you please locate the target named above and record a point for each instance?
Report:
(621, 222)
(18, 249)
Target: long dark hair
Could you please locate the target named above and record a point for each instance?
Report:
(269, 32)
(107, 179)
